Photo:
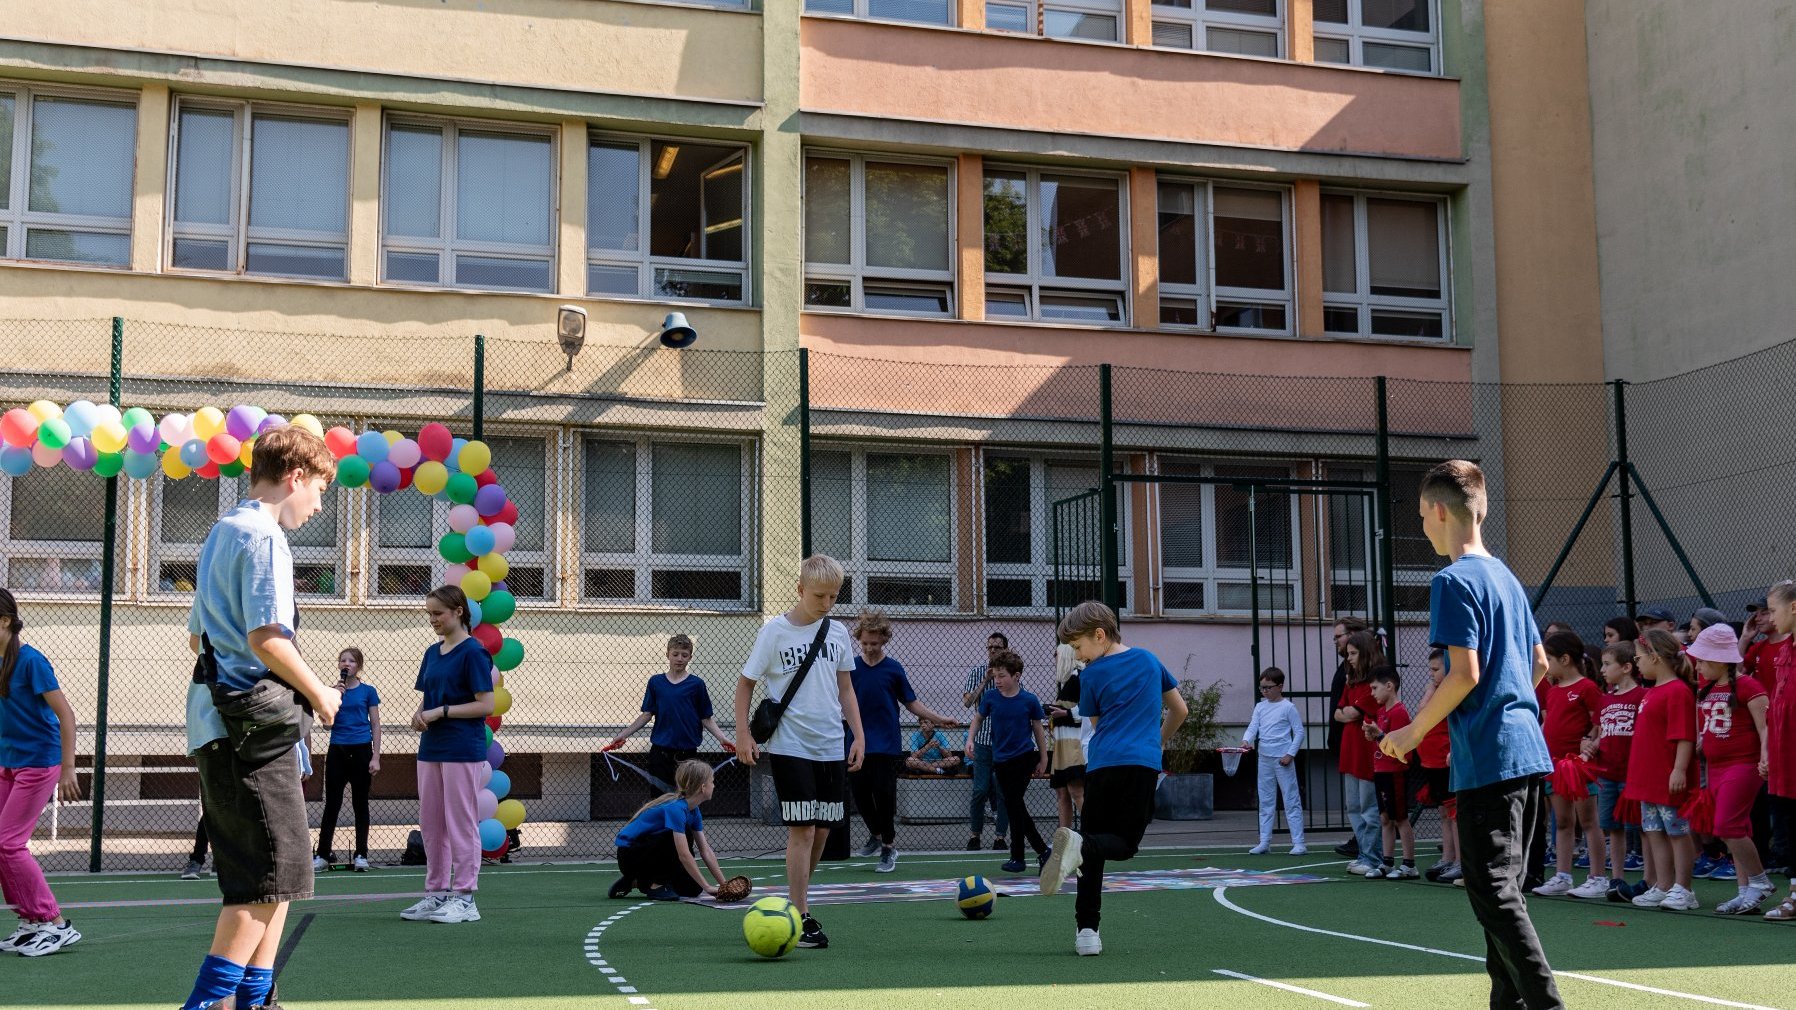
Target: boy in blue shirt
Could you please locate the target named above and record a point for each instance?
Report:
(881, 686)
(1123, 692)
(680, 704)
(1480, 615)
(1019, 750)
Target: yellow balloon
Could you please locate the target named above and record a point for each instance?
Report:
(249, 446)
(498, 679)
(494, 566)
(207, 421)
(431, 477)
(391, 436)
(309, 423)
(477, 585)
(172, 465)
(44, 410)
(501, 700)
(109, 437)
(510, 813)
(475, 458)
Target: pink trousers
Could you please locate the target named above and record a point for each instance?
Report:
(23, 794)
(446, 792)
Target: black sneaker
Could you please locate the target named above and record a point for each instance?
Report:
(663, 893)
(1000, 845)
(1348, 848)
(621, 888)
(972, 843)
(812, 938)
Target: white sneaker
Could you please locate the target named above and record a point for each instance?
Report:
(1557, 884)
(49, 939)
(27, 929)
(459, 908)
(1651, 898)
(1747, 902)
(1300, 849)
(1260, 849)
(1376, 871)
(1592, 887)
(1680, 899)
(319, 865)
(1064, 858)
(425, 908)
(360, 865)
(1401, 872)
(1087, 942)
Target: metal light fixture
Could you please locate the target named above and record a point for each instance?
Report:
(570, 331)
(676, 332)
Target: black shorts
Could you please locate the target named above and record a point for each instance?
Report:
(663, 763)
(1060, 778)
(256, 817)
(1438, 781)
(1393, 795)
(810, 792)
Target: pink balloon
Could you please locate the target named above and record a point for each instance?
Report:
(43, 455)
(404, 454)
(462, 518)
(504, 535)
(485, 804)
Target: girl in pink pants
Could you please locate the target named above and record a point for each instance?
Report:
(37, 761)
(456, 677)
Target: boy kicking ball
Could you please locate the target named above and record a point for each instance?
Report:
(1135, 708)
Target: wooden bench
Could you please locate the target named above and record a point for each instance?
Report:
(944, 799)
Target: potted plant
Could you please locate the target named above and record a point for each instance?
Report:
(1186, 794)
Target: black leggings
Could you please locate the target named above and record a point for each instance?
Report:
(200, 842)
(346, 763)
(1013, 784)
(876, 794)
(653, 861)
(1119, 804)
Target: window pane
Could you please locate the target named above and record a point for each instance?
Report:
(1250, 243)
(1333, 12)
(522, 468)
(907, 216)
(712, 285)
(1265, 8)
(934, 12)
(414, 182)
(1250, 316)
(299, 174)
(1006, 223)
(610, 583)
(890, 591)
(57, 504)
(1009, 593)
(1011, 304)
(1178, 234)
(502, 188)
(1339, 270)
(405, 520)
(610, 500)
(1081, 308)
(1181, 518)
(1179, 312)
(908, 510)
(613, 194)
(500, 272)
(684, 585)
(420, 268)
(603, 280)
(1081, 233)
(697, 491)
(828, 294)
(203, 163)
(321, 530)
(189, 508)
(64, 575)
(82, 155)
(297, 261)
(1008, 18)
(1070, 25)
(829, 6)
(695, 191)
(1397, 323)
(886, 298)
(723, 207)
(1270, 531)
(1007, 507)
(1340, 319)
(1332, 51)
(832, 503)
(1172, 34)
(403, 580)
(201, 254)
(78, 247)
(1398, 15)
(7, 105)
(1243, 43)
(1403, 248)
(1415, 58)
(826, 210)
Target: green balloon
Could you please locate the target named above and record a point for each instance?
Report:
(454, 549)
(109, 464)
(231, 470)
(461, 489)
(489, 735)
(352, 471)
(55, 434)
(136, 416)
(498, 607)
(511, 653)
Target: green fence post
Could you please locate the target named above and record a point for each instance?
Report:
(1387, 576)
(1107, 564)
(1625, 469)
(479, 386)
(108, 558)
(804, 451)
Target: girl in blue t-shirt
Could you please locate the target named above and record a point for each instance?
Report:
(353, 759)
(654, 850)
(37, 760)
(456, 678)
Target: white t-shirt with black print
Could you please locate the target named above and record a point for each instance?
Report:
(812, 725)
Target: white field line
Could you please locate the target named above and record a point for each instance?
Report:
(1299, 990)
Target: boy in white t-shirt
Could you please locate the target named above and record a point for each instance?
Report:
(1276, 733)
(806, 750)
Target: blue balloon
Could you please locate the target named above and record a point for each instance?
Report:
(480, 540)
(474, 618)
(371, 446)
(15, 461)
(193, 453)
(500, 784)
(454, 460)
(139, 465)
(81, 416)
(495, 754)
(492, 834)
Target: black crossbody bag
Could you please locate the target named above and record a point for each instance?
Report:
(264, 722)
(768, 713)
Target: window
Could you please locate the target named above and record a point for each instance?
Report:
(1213, 535)
(666, 219)
(407, 527)
(55, 519)
(289, 219)
(878, 235)
(929, 12)
(1384, 264)
(183, 512)
(1350, 542)
(1097, 20)
(468, 206)
(1243, 27)
(66, 165)
(1231, 241)
(888, 516)
(1389, 34)
(667, 522)
(1020, 537)
(1054, 247)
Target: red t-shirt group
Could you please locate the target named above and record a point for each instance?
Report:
(1615, 723)
(1729, 734)
(1667, 714)
(1356, 750)
(1779, 660)
(1570, 710)
(1390, 720)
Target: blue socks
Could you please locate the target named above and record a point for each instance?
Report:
(254, 990)
(218, 979)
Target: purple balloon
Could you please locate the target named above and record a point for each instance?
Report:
(495, 754)
(80, 454)
(241, 422)
(271, 421)
(143, 438)
(384, 477)
(485, 804)
(490, 500)
(501, 587)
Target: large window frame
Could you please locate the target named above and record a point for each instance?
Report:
(1414, 562)
(309, 560)
(18, 221)
(51, 556)
(1200, 306)
(1031, 291)
(1353, 36)
(1043, 493)
(1214, 578)
(864, 570)
(1051, 18)
(856, 274)
(1193, 24)
(1369, 307)
(875, 10)
(649, 267)
(240, 234)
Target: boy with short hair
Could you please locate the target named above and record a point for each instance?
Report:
(806, 750)
(242, 625)
(1389, 781)
(1481, 616)
(1123, 691)
(1275, 734)
(680, 704)
(1019, 750)
(881, 688)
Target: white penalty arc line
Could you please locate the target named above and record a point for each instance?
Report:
(1299, 990)
(1221, 895)
(597, 960)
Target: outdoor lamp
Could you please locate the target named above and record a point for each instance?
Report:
(570, 331)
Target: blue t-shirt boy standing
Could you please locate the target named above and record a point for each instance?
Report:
(680, 705)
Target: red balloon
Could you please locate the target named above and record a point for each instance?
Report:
(473, 564)
(405, 479)
(222, 448)
(209, 471)
(493, 723)
(508, 514)
(497, 853)
(486, 477)
(340, 441)
(435, 441)
(489, 637)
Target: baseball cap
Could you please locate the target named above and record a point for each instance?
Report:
(1709, 616)
(1654, 614)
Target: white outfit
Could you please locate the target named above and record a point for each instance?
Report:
(1276, 731)
(812, 725)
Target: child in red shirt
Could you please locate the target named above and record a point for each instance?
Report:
(1436, 754)
(1779, 659)
(1732, 710)
(1608, 756)
(1388, 781)
(1661, 769)
(1571, 702)
(1356, 712)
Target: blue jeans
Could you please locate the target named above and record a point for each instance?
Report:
(985, 786)
(1360, 797)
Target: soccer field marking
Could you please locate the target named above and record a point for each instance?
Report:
(613, 977)
(1299, 990)
(1221, 895)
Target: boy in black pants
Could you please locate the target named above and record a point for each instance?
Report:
(1019, 750)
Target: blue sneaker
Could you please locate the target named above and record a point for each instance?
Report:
(1552, 858)
(1724, 870)
(1581, 861)
(1633, 862)
(1704, 865)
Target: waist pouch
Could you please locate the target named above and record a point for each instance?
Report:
(264, 722)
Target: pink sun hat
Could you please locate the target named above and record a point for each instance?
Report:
(1717, 643)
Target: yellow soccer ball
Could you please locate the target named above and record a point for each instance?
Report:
(772, 927)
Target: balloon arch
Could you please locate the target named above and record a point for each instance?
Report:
(211, 444)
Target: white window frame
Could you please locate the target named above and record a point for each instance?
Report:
(1040, 569)
(18, 219)
(1401, 575)
(51, 550)
(1033, 284)
(859, 568)
(861, 8)
(446, 246)
(647, 265)
(643, 560)
(1356, 35)
(225, 490)
(1198, 20)
(1207, 294)
(1037, 12)
(856, 273)
(1363, 301)
(239, 234)
(1212, 574)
